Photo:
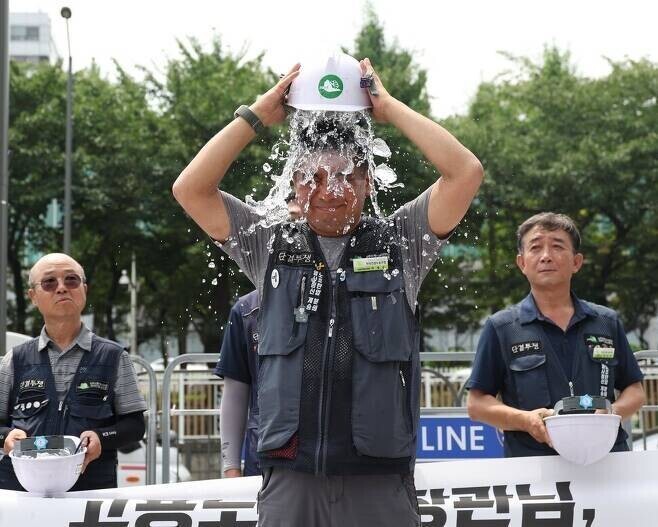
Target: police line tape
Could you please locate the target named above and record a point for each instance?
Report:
(620, 490)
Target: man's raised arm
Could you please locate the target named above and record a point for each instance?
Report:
(461, 172)
(196, 188)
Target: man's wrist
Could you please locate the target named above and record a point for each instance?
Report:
(252, 119)
(392, 108)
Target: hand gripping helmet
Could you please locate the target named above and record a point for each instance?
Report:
(47, 465)
(580, 435)
(332, 84)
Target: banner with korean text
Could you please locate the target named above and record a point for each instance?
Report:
(620, 490)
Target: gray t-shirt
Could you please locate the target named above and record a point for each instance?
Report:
(248, 244)
(64, 365)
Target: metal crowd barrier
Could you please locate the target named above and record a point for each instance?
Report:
(152, 425)
(167, 412)
(646, 355)
(465, 357)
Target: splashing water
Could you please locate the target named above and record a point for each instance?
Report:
(313, 135)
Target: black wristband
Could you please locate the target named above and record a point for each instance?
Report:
(245, 112)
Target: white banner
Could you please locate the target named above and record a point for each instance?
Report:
(619, 491)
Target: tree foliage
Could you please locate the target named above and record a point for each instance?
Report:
(549, 139)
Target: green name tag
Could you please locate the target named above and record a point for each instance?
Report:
(374, 263)
(603, 353)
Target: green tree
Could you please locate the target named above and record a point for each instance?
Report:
(443, 299)
(36, 171)
(198, 95)
(551, 139)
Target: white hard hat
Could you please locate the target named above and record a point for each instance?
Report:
(54, 474)
(332, 84)
(583, 438)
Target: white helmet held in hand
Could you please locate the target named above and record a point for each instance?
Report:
(47, 465)
(579, 435)
(332, 84)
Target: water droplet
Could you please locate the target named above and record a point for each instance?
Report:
(211, 264)
(214, 282)
(380, 148)
(267, 167)
(395, 272)
(426, 237)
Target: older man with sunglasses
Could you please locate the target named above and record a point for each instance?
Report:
(68, 380)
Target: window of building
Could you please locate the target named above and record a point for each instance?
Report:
(25, 33)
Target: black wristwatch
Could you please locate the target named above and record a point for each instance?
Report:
(245, 112)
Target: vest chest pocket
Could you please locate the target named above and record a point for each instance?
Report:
(380, 323)
(531, 381)
(381, 380)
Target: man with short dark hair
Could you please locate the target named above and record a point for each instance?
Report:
(339, 369)
(549, 346)
(68, 381)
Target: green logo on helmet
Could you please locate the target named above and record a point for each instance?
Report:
(330, 86)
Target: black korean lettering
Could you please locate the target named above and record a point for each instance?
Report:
(436, 497)
(439, 516)
(481, 495)
(151, 518)
(165, 505)
(465, 519)
(563, 490)
(547, 514)
(92, 517)
(588, 516)
(562, 487)
(228, 519)
(524, 494)
(478, 499)
(117, 508)
(502, 498)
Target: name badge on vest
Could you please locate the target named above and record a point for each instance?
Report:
(371, 263)
(28, 385)
(602, 347)
(532, 346)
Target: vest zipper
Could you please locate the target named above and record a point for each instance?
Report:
(325, 392)
(60, 422)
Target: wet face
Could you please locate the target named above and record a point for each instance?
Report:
(331, 193)
(57, 288)
(548, 259)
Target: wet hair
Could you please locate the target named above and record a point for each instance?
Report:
(291, 197)
(331, 133)
(549, 221)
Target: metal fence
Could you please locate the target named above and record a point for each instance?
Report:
(191, 397)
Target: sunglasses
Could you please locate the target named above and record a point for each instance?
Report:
(71, 281)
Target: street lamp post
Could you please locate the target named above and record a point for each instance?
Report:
(66, 14)
(4, 166)
(133, 286)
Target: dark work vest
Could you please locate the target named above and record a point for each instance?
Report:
(535, 377)
(88, 405)
(339, 380)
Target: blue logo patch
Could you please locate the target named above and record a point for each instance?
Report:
(585, 401)
(40, 442)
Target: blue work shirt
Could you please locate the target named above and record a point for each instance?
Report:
(239, 361)
(488, 372)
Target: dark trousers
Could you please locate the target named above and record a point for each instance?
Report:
(296, 499)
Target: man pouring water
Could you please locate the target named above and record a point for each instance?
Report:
(338, 340)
